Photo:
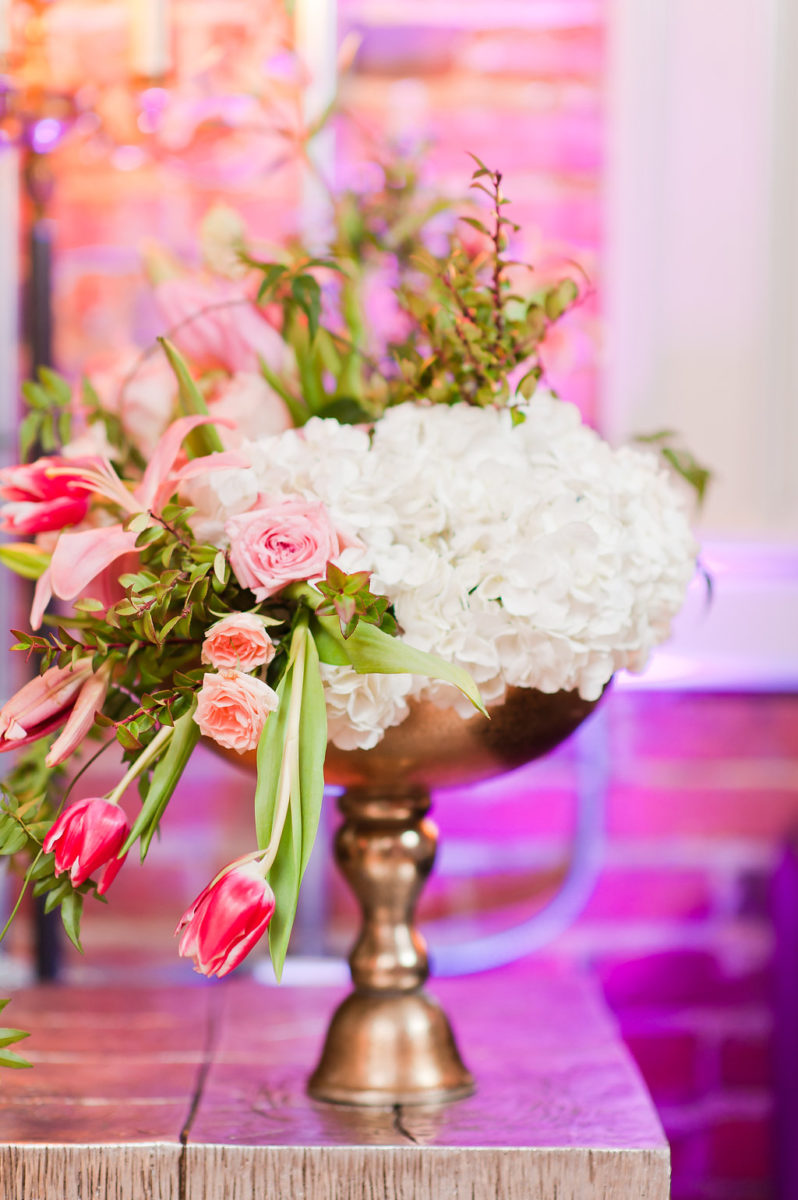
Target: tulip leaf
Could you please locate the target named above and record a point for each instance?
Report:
(291, 754)
(371, 651)
(312, 751)
(204, 440)
(270, 758)
(164, 780)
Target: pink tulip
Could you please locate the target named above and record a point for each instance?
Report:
(227, 919)
(42, 704)
(89, 835)
(39, 500)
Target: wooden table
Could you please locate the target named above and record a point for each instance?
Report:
(196, 1093)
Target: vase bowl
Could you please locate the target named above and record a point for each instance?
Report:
(435, 747)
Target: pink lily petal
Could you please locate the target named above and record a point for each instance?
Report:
(79, 558)
(197, 466)
(44, 697)
(91, 698)
(163, 460)
(40, 731)
(42, 595)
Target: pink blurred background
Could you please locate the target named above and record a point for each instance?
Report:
(654, 144)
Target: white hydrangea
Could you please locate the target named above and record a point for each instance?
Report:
(532, 555)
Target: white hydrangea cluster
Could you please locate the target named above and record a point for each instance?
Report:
(532, 555)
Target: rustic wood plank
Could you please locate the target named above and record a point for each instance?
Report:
(125, 1077)
(58, 1172)
(359, 1173)
(560, 1109)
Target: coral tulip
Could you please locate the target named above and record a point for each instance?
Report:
(89, 835)
(227, 919)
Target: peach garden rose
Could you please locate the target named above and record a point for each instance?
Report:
(280, 542)
(232, 709)
(240, 641)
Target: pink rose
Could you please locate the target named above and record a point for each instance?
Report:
(39, 500)
(216, 325)
(239, 641)
(232, 709)
(280, 542)
(254, 408)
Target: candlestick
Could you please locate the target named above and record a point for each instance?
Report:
(5, 28)
(316, 40)
(150, 38)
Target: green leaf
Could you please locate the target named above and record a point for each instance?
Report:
(9, 1059)
(291, 754)
(560, 298)
(312, 751)
(56, 386)
(299, 413)
(345, 410)
(369, 650)
(28, 433)
(220, 567)
(204, 440)
(71, 909)
(28, 561)
(329, 648)
(164, 780)
(9, 1036)
(307, 294)
(269, 759)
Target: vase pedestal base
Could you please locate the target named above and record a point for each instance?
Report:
(384, 1049)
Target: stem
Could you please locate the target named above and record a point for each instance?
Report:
(144, 759)
(497, 262)
(288, 767)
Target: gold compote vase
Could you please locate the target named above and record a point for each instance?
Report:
(390, 1042)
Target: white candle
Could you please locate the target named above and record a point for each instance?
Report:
(316, 40)
(5, 28)
(150, 38)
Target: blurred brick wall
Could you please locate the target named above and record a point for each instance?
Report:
(704, 788)
(703, 796)
(520, 85)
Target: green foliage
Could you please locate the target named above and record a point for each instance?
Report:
(48, 423)
(467, 328)
(8, 1037)
(679, 458)
(350, 599)
(369, 649)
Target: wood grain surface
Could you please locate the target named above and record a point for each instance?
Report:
(197, 1093)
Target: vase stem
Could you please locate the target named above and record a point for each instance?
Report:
(389, 1042)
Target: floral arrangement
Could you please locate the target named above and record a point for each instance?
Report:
(270, 532)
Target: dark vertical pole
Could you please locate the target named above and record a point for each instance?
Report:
(784, 906)
(47, 940)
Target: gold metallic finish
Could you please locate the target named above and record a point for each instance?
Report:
(389, 1042)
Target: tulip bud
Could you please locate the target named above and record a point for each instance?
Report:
(87, 836)
(227, 919)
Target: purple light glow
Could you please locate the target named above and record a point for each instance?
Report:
(46, 134)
